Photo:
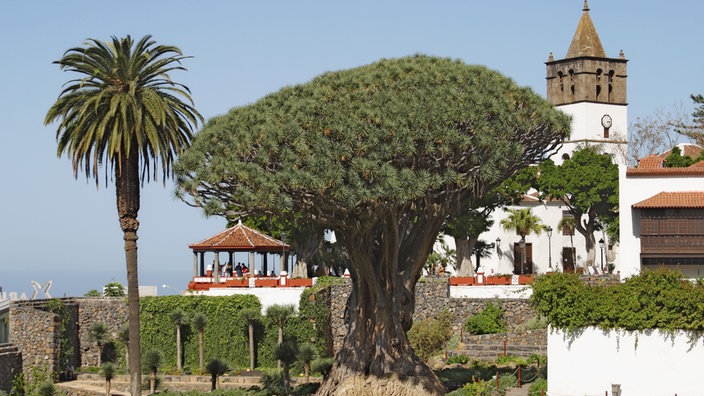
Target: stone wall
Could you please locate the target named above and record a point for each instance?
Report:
(432, 296)
(110, 310)
(491, 346)
(10, 365)
(33, 329)
(46, 344)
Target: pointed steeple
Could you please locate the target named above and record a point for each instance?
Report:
(586, 40)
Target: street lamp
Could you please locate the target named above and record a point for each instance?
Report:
(522, 244)
(171, 287)
(498, 245)
(284, 263)
(549, 231)
(601, 246)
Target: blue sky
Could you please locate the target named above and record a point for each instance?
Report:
(56, 227)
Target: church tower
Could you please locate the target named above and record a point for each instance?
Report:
(590, 87)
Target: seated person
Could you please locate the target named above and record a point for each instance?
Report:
(228, 269)
(245, 270)
(238, 269)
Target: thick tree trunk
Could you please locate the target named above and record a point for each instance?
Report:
(376, 357)
(127, 191)
(463, 251)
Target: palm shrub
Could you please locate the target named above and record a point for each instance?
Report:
(215, 368)
(124, 336)
(152, 361)
(251, 316)
(47, 389)
(286, 353)
(98, 333)
(178, 318)
(108, 372)
(489, 321)
(306, 354)
(322, 366)
(199, 322)
(279, 315)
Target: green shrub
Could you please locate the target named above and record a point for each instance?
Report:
(429, 336)
(506, 360)
(489, 321)
(538, 388)
(458, 359)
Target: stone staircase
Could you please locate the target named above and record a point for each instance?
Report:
(517, 391)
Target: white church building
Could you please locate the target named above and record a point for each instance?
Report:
(590, 87)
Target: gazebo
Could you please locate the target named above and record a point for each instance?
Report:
(239, 238)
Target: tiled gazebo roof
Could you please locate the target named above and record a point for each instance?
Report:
(238, 239)
(682, 199)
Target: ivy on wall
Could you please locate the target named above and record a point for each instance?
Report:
(226, 334)
(658, 299)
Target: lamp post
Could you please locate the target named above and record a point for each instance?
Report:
(601, 246)
(549, 231)
(171, 287)
(498, 245)
(522, 244)
(284, 264)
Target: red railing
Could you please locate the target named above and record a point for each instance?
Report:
(483, 280)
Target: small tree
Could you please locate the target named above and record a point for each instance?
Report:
(199, 322)
(306, 354)
(279, 315)
(215, 368)
(108, 372)
(286, 353)
(251, 316)
(114, 289)
(98, 333)
(178, 319)
(152, 361)
(93, 293)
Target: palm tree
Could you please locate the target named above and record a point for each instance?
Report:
(152, 361)
(127, 114)
(98, 333)
(523, 221)
(178, 319)
(216, 368)
(306, 354)
(199, 321)
(279, 315)
(108, 372)
(251, 316)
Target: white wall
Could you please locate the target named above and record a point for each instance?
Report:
(494, 291)
(645, 363)
(268, 296)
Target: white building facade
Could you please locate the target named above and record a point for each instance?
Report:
(591, 88)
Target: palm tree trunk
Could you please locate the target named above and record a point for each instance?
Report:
(127, 191)
(107, 387)
(178, 348)
(200, 350)
(152, 382)
(281, 339)
(251, 346)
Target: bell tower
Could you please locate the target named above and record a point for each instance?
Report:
(590, 87)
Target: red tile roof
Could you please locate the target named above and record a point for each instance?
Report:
(240, 238)
(652, 165)
(683, 199)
